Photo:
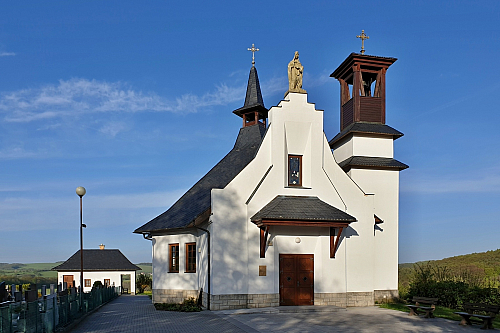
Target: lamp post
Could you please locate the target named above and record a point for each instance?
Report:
(81, 192)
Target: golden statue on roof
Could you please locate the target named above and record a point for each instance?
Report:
(295, 72)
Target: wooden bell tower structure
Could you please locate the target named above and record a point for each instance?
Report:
(362, 88)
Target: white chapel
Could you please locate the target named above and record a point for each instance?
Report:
(289, 217)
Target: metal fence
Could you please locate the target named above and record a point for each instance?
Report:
(46, 314)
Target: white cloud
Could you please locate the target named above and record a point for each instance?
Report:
(274, 85)
(7, 54)
(76, 97)
(112, 129)
(80, 96)
(17, 153)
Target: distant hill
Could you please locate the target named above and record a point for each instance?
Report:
(478, 268)
(41, 273)
(488, 261)
(146, 268)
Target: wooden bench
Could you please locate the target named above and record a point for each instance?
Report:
(422, 303)
(470, 309)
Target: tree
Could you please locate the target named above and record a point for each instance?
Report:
(143, 281)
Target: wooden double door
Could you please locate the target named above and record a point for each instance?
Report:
(296, 279)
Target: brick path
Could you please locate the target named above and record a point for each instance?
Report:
(137, 314)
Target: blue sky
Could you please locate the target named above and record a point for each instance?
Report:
(133, 100)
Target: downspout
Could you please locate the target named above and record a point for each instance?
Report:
(148, 237)
(208, 258)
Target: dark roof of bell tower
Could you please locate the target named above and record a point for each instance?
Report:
(253, 98)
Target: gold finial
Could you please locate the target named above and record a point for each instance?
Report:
(363, 37)
(253, 49)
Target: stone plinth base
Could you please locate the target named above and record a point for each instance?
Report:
(344, 299)
(217, 302)
(243, 301)
(249, 301)
(384, 296)
(173, 295)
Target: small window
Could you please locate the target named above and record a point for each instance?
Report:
(173, 258)
(88, 283)
(294, 170)
(107, 283)
(191, 258)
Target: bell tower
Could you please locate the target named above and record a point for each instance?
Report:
(364, 149)
(364, 141)
(362, 88)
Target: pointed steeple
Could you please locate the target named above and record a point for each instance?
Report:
(253, 111)
(254, 104)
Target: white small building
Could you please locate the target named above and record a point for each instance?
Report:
(288, 217)
(110, 267)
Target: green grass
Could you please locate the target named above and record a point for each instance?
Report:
(440, 312)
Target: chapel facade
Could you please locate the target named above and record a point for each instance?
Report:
(288, 217)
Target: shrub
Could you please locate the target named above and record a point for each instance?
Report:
(452, 289)
(189, 305)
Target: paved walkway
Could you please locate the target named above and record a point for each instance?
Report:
(137, 314)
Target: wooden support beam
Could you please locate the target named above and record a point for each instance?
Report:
(334, 244)
(264, 232)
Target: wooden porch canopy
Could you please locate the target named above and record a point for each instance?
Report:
(302, 212)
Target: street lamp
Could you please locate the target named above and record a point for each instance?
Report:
(81, 192)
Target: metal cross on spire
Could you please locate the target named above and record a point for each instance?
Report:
(253, 49)
(363, 37)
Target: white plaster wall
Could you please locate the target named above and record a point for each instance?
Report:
(373, 146)
(385, 185)
(229, 246)
(113, 276)
(162, 278)
(344, 151)
(295, 128)
(365, 146)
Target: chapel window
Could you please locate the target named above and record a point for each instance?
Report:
(107, 282)
(294, 170)
(173, 254)
(190, 257)
(88, 283)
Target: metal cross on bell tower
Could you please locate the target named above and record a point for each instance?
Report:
(363, 36)
(253, 49)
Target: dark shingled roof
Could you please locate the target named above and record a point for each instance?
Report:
(297, 208)
(197, 199)
(369, 128)
(253, 98)
(372, 162)
(98, 260)
(354, 58)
